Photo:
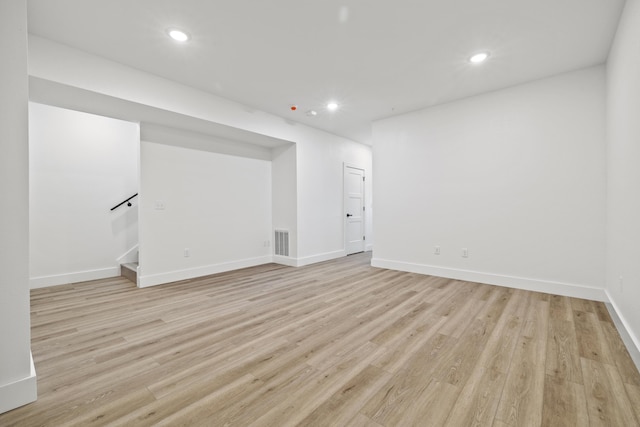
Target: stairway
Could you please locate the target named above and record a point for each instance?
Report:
(130, 271)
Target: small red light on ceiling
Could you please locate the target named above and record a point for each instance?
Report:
(293, 107)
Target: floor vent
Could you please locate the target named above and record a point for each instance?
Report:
(282, 243)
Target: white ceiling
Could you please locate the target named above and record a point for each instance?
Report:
(376, 58)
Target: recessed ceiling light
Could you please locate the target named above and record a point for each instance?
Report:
(479, 58)
(178, 35)
(332, 106)
(312, 113)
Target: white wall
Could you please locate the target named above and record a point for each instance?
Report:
(81, 165)
(321, 215)
(320, 155)
(217, 206)
(516, 176)
(284, 189)
(17, 376)
(623, 152)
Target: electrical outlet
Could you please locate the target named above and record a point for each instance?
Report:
(159, 205)
(436, 250)
(187, 252)
(465, 253)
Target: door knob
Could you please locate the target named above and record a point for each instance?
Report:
(348, 215)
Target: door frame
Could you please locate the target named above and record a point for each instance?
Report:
(345, 167)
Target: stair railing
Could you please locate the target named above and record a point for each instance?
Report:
(127, 201)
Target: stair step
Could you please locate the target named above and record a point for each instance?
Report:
(130, 271)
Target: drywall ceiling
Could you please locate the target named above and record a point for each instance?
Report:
(376, 58)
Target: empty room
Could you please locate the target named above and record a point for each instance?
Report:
(340, 213)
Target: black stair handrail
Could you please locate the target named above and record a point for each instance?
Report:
(125, 201)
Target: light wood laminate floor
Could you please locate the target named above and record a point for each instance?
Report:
(334, 344)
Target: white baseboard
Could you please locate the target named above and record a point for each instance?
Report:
(627, 334)
(301, 262)
(557, 288)
(308, 260)
(19, 393)
(189, 273)
(284, 260)
(78, 276)
(368, 248)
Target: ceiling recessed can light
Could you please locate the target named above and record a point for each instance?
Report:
(312, 113)
(178, 35)
(332, 106)
(479, 57)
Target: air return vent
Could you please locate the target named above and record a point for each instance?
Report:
(282, 243)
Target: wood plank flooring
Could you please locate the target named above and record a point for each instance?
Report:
(333, 344)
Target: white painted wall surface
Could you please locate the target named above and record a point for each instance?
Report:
(320, 155)
(285, 199)
(81, 165)
(623, 178)
(321, 215)
(217, 206)
(17, 376)
(516, 176)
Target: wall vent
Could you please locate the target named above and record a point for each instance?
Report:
(281, 243)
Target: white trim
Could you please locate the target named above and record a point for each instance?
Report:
(369, 247)
(345, 166)
(19, 393)
(189, 273)
(129, 256)
(78, 276)
(174, 276)
(284, 260)
(630, 339)
(312, 259)
(538, 285)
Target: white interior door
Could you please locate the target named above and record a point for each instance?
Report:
(354, 209)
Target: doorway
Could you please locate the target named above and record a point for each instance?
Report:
(354, 209)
